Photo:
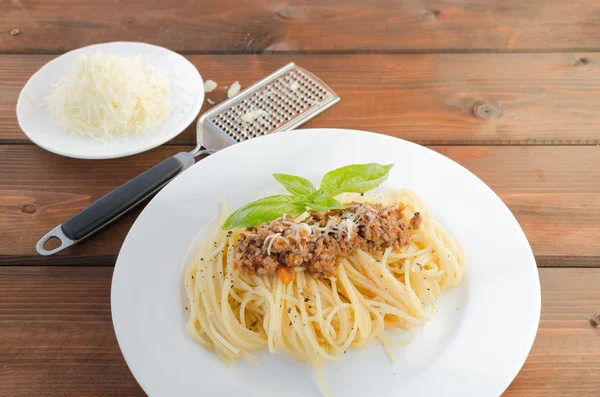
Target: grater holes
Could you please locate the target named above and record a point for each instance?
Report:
(284, 99)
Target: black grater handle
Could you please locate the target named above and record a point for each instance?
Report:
(116, 203)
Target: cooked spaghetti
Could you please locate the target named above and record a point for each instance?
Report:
(319, 312)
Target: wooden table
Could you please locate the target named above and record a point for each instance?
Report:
(509, 89)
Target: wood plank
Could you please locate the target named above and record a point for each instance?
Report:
(326, 25)
(56, 335)
(565, 358)
(55, 188)
(553, 191)
(429, 99)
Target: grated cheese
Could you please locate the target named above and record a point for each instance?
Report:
(105, 96)
(255, 114)
(209, 86)
(297, 228)
(349, 226)
(270, 240)
(233, 90)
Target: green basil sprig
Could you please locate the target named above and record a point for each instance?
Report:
(355, 178)
(296, 185)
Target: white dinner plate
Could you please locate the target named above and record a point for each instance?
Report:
(34, 118)
(475, 344)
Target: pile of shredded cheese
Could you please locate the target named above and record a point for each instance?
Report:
(106, 96)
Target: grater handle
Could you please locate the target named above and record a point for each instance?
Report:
(116, 203)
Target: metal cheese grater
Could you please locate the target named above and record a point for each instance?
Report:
(280, 102)
(287, 98)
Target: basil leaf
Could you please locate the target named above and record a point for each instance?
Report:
(298, 186)
(264, 210)
(356, 178)
(321, 201)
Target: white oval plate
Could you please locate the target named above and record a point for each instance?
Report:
(475, 345)
(34, 118)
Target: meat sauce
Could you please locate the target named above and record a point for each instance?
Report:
(319, 242)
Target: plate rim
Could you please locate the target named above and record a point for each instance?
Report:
(188, 120)
(535, 292)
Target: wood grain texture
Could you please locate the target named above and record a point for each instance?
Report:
(473, 78)
(429, 99)
(56, 188)
(553, 191)
(324, 25)
(565, 358)
(56, 335)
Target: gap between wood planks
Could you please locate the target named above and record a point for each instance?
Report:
(543, 261)
(445, 51)
(553, 143)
